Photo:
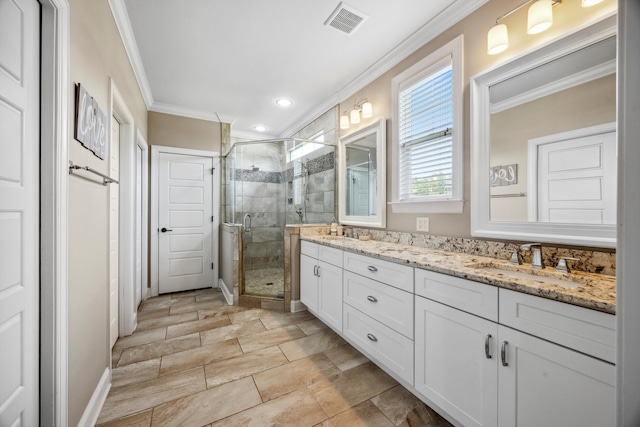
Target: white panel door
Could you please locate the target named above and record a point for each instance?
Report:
(19, 211)
(138, 261)
(545, 384)
(114, 231)
(185, 185)
(577, 180)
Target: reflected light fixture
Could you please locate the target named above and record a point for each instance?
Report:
(352, 115)
(539, 18)
(589, 3)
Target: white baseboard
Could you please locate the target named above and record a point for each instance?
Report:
(297, 306)
(225, 292)
(92, 411)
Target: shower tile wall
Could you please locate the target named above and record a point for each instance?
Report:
(320, 203)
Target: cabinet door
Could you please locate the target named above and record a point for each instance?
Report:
(545, 384)
(330, 294)
(309, 283)
(452, 367)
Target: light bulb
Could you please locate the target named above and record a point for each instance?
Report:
(355, 116)
(344, 122)
(367, 110)
(497, 39)
(540, 16)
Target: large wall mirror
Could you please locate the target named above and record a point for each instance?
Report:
(543, 143)
(362, 180)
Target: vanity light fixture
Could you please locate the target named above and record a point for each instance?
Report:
(352, 116)
(539, 18)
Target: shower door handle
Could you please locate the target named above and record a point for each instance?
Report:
(247, 219)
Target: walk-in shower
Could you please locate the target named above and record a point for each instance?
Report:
(270, 184)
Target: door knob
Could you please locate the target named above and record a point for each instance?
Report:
(164, 230)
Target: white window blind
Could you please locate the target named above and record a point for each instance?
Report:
(425, 124)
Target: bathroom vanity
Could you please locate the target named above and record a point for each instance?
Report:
(483, 342)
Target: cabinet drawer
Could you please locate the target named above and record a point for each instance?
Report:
(399, 276)
(588, 331)
(330, 255)
(309, 249)
(390, 306)
(466, 295)
(384, 345)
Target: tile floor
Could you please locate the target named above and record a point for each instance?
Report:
(194, 361)
(265, 281)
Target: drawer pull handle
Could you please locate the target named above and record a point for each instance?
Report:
(372, 268)
(372, 298)
(503, 353)
(315, 270)
(318, 270)
(372, 337)
(487, 351)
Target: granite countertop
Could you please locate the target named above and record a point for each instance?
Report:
(595, 291)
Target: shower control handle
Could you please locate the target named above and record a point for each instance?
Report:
(247, 219)
(164, 230)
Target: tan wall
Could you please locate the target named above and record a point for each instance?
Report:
(567, 16)
(97, 53)
(183, 132)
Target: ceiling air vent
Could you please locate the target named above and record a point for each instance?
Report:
(345, 18)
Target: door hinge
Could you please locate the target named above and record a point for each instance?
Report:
(212, 218)
(212, 266)
(213, 170)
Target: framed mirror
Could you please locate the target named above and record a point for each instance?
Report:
(362, 180)
(543, 143)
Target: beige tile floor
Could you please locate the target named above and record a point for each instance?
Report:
(194, 361)
(266, 282)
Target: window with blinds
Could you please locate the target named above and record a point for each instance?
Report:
(425, 123)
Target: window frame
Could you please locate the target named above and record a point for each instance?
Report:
(415, 73)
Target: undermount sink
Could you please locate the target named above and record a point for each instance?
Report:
(537, 276)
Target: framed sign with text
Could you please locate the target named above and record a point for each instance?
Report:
(90, 123)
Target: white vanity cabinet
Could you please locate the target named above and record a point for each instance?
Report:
(553, 378)
(456, 351)
(321, 282)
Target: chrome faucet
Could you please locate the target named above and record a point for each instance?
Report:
(536, 252)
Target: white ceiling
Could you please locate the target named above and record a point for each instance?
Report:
(231, 59)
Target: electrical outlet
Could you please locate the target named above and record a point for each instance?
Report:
(422, 223)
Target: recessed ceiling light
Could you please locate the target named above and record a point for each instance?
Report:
(260, 128)
(284, 102)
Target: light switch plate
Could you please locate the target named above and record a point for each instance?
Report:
(422, 223)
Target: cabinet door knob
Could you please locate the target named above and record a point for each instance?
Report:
(372, 298)
(372, 268)
(372, 337)
(503, 353)
(487, 350)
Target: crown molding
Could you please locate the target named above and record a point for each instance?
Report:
(176, 110)
(119, 12)
(251, 136)
(436, 26)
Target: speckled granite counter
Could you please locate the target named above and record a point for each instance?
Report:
(596, 291)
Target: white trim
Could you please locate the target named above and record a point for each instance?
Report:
(453, 50)
(628, 267)
(177, 110)
(142, 143)
(429, 31)
(481, 224)
(127, 312)
(434, 206)
(156, 150)
(228, 296)
(532, 157)
(120, 15)
(56, 18)
(92, 411)
(555, 86)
